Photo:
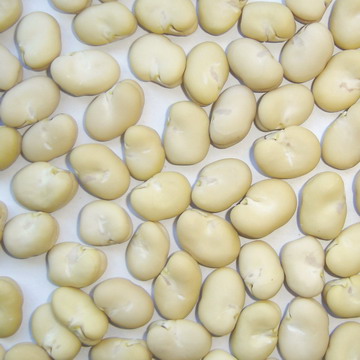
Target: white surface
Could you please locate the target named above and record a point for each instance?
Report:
(31, 273)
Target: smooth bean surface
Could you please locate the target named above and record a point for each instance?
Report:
(11, 71)
(10, 146)
(10, 14)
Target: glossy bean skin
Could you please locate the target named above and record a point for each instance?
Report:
(308, 11)
(11, 13)
(26, 351)
(71, 6)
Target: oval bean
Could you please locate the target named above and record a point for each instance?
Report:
(71, 6)
(308, 10)
(10, 146)
(11, 71)
(26, 351)
(10, 14)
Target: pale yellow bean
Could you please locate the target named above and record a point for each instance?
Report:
(71, 6)
(26, 351)
(2, 352)
(308, 10)
(219, 355)
(10, 13)
(10, 146)
(11, 71)
(3, 218)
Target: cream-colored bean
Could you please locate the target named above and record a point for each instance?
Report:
(221, 184)
(267, 21)
(304, 330)
(208, 238)
(222, 299)
(41, 186)
(118, 348)
(111, 113)
(252, 63)
(232, 116)
(85, 72)
(103, 222)
(75, 309)
(288, 105)
(288, 153)
(26, 351)
(344, 24)
(343, 252)
(340, 148)
(126, 304)
(11, 306)
(206, 72)
(306, 54)
(218, 16)
(154, 57)
(11, 71)
(59, 342)
(342, 296)
(256, 333)
(219, 355)
(104, 23)
(167, 340)
(10, 13)
(144, 152)
(186, 135)
(76, 265)
(260, 268)
(10, 146)
(3, 218)
(303, 262)
(30, 234)
(177, 288)
(344, 342)
(268, 205)
(307, 11)
(71, 6)
(49, 138)
(29, 101)
(38, 39)
(163, 196)
(338, 85)
(322, 210)
(161, 17)
(147, 251)
(100, 171)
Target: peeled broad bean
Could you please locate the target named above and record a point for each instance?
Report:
(38, 38)
(41, 186)
(76, 265)
(167, 340)
(342, 296)
(208, 238)
(163, 196)
(10, 146)
(144, 152)
(343, 252)
(232, 116)
(222, 299)
(26, 351)
(268, 205)
(59, 342)
(11, 306)
(286, 106)
(3, 218)
(220, 184)
(322, 210)
(103, 222)
(29, 101)
(147, 251)
(71, 6)
(49, 138)
(306, 54)
(344, 342)
(303, 262)
(219, 355)
(111, 113)
(118, 348)
(75, 309)
(85, 72)
(304, 330)
(11, 71)
(256, 333)
(161, 17)
(260, 268)
(186, 135)
(126, 304)
(307, 11)
(288, 153)
(30, 234)
(100, 171)
(340, 148)
(10, 13)
(177, 288)
(252, 63)
(218, 16)
(206, 72)
(154, 57)
(337, 87)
